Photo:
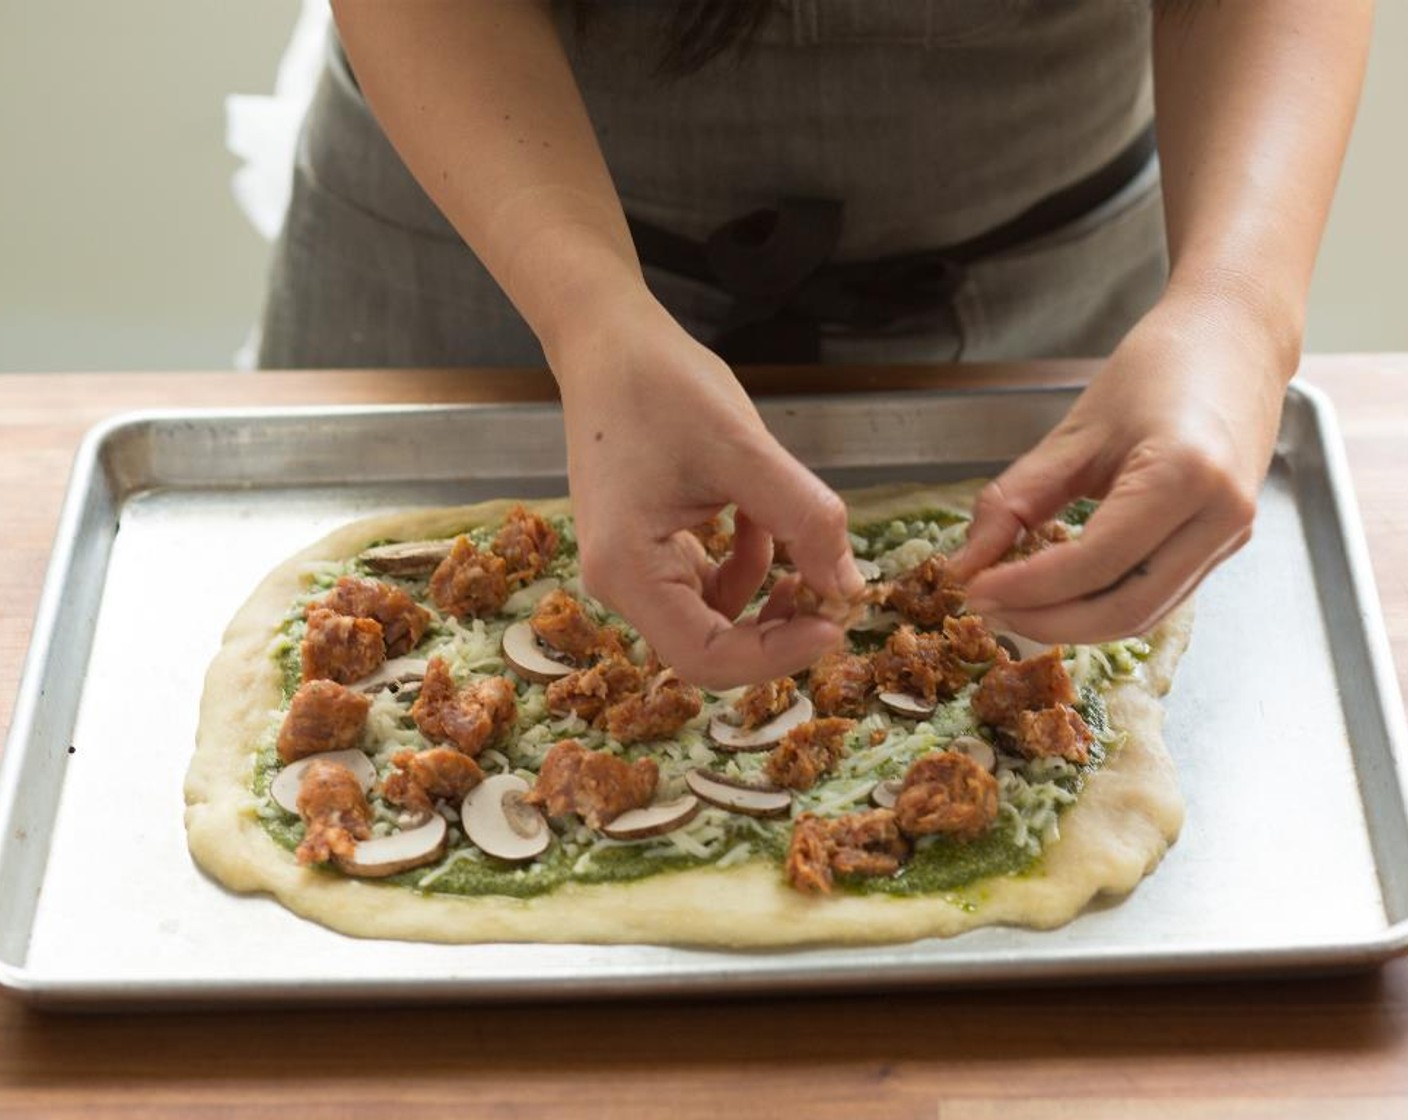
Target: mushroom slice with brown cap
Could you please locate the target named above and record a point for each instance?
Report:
(729, 737)
(407, 558)
(283, 790)
(525, 655)
(886, 793)
(979, 750)
(1020, 648)
(500, 824)
(653, 820)
(401, 851)
(737, 796)
(395, 674)
(903, 704)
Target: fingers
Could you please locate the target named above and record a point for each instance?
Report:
(708, 649)
(797, 508)
(1150, 501)
(731, 586)
(1141, 597)
(1032, 490)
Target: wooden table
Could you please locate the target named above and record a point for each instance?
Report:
(1286, 1048)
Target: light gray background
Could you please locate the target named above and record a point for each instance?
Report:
(121, 246)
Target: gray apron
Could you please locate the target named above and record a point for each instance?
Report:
(924, 123)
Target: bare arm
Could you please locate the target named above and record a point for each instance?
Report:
(480, 102)
(1255, 103)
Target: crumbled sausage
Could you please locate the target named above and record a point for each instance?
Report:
(334, 811)
(865, 843)
(422, 777)
(339, 647)
(765, 701)
(840, 682)
(927, 594)
(1010, 687)
(589, 692)
(403, 620)
(470, 717)
(919, 663)
(469, 583)
(526, 543)
(597, 786)
(322, 716)
(969, 639)
(948, 793)
(1054, 732)
(808, 751)
(665, 706)
(1032, 541)
(561, 622)
(715, 536)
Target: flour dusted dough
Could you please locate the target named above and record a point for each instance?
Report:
(1128, 813)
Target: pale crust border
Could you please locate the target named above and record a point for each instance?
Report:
(1128, 813)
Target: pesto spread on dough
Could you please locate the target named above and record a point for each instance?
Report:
(1032, 792)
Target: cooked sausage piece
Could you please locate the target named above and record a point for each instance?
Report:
(469, 583)
(1011, 687)
(1059, 731)
(840, 682)
(334, 810)
(597, 786)
(926, 594)
(527, 544)
(423, 777)
(1044, 536)
(947, 792)
(808, 751)
(589, 692)
(969, 639)
(765, 701)
(665, 706)
(561, 622)
(919, 663)
(322, 716)
(715, 536)
(470, 717)
(864, 843)
(339, 647)
(403, 620)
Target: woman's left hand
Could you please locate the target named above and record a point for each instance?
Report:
(1175, 434)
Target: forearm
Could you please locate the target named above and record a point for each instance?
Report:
(480, 102)
(1255, 102)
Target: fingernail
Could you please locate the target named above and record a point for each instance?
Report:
(848, 578)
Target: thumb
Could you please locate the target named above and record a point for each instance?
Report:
(798, 509)
(1032, 490)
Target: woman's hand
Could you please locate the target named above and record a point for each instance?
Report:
(660, 437)
(1175, 434)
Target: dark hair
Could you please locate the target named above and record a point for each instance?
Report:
(699, 31)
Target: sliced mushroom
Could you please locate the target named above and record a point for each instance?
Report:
(386, 855)
(978, 750)
(283, 790)
(903, 704)
(407, 558)
(877, 620)
(869, 570)
(527, 597)
(653, 820)
(395, 674)
(732, 738)
(1020, 648)
(499, 823)
(526, 657)
(739, 797)
(886, 793)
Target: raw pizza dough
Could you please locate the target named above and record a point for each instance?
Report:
(1128, 813)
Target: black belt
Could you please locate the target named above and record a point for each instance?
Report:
(776, 264)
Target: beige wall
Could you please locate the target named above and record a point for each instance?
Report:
(120, 247)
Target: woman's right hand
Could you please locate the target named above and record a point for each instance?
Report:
(661, 437)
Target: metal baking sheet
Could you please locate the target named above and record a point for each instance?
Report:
(1285, 721)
